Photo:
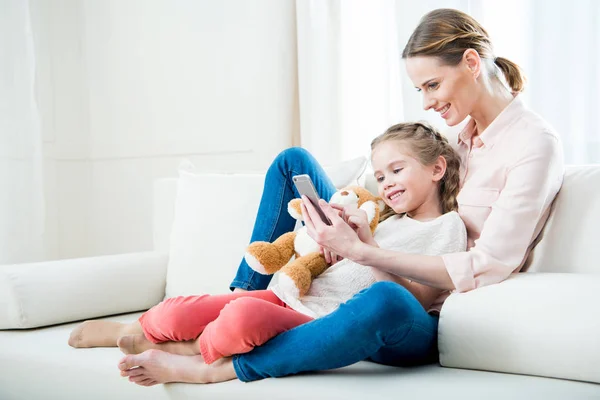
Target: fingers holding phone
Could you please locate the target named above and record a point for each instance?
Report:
(330, 257)
(305, 187)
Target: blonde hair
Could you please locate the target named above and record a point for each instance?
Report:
(426, 145)
(446, 34)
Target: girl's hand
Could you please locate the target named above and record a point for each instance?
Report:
(330, 257)
(338, 238)
(357, 219)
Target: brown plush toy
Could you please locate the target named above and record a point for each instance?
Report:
(268, 258)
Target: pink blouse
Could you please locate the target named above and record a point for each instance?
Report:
(510, 175)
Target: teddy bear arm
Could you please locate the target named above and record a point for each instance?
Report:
(268, 258)
(304, 269)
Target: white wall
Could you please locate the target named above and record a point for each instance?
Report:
(127, 89)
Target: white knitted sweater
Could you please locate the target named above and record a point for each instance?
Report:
(443, 235)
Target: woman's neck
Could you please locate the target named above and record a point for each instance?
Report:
(490, 104)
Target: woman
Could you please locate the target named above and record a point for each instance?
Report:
(512, 170)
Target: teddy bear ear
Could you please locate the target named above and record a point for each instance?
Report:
(380, 203)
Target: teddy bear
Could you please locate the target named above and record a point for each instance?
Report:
(296, 276)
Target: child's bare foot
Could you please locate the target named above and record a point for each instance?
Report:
(152, 367)
(136, 344)
(100, 333)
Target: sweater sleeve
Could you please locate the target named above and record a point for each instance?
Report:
(516, 216)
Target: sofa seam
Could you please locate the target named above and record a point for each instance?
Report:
(18, 304)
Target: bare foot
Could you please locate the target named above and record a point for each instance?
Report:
(136, 344)
(154, 366)
(100, 333)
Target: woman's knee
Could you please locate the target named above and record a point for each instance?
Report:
(387, 300)
(292, 157)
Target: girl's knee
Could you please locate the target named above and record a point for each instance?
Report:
(171, 312)
(240, 311)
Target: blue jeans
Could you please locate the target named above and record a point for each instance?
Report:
(273, 219)
(383, 323)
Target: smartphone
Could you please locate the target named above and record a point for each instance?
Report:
(305, 187)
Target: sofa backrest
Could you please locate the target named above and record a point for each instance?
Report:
(570, 241)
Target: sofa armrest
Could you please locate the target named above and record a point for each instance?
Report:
(53, 292)
(533, 323)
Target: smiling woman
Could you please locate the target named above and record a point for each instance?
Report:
(454, 78)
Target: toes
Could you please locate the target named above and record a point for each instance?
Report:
(139, 360)
(130, 361)
(136, 371)
(138, 378)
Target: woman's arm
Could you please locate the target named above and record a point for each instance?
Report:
(425, 294)
(341, 239)
(532, 182)
(517, 216)
(425, 270)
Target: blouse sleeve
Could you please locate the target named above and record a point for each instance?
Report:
(532, 182)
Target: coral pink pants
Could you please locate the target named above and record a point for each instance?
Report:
(227, 324)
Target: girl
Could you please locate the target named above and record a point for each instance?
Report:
(418, 178)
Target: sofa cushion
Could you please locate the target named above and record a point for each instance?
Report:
(212, 224)
(53, 292)
(569, 242)
(533, 323)
(38, 364)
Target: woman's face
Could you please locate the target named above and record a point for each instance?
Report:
(450, 91)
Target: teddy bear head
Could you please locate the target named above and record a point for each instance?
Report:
(349, 195)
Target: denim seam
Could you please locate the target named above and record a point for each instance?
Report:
(239, 371)
(242, 285)
(279, 211)
(272, 227)
(413, 325)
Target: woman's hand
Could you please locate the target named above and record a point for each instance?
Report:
(338, 238)
(358, 220)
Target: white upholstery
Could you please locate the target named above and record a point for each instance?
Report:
(533, 323)
(53, 292)
(541, 324)
(210, 231)
(38, 365)
(212, 223)
(571, 239)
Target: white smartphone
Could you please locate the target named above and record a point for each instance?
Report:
(305, 187)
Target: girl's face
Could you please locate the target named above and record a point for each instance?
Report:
(450, 91)
(404, 184)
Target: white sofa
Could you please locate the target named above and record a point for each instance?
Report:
(543, 322)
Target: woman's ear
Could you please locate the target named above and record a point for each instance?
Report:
(439, 169)
(472, 61)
